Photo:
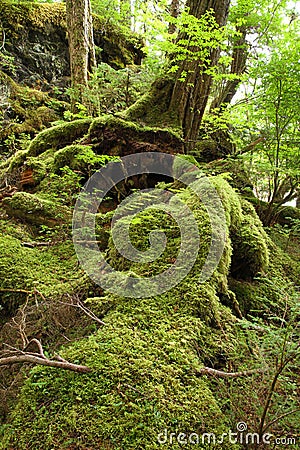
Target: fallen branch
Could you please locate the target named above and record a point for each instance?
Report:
(78, 304)
(24, 291)
(27, 358)
(24, 356)
(35, 244)
(221, 374)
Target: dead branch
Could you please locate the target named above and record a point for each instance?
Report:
(221, 374)
(24, 291)
(78, 304)
(39, 345)
(17, 356)
(35, 244)
(28, 358)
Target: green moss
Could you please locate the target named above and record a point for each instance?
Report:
(238, 179)
(33, 209)
(58, 136)
(29, 108)
(80, 158)
(250, 246)
(231, 202)
(46, 269)
(144, 360)
(19, 14)
(117, 136)
(142, 382)
(154, 104)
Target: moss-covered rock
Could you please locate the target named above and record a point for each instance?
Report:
(25, 112)
(43, 57)
(145, 359)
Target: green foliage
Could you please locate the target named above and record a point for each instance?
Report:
(274, 162)
(62, 188)
(110, 90)
(201, 35)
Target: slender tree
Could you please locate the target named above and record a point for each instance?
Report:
(81, 47)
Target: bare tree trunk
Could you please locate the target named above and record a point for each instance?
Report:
(81, 47)
(189, 97)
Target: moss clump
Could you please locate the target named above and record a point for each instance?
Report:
(145, 359)
(46, 269)
(58, 136)
(250, 246)
(30, 111)
(118, 137)
(231, 202)
(235, 168)
(155, 104)
(33, 209)
(80, 158)
(142, 383)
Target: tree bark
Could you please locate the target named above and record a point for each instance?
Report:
(174, 12)
(238, 67)
(81, 47)
(189, 97)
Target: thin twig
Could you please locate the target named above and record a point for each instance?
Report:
(26, 358)
(221, 374)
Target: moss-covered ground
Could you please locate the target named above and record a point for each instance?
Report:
(145, 389)
(146, 359)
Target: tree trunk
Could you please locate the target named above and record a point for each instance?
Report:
(238, 67)
(174, 12)
(182, 103)
(81, 47)
(189, 97)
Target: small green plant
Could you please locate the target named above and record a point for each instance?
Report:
(63, 187)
